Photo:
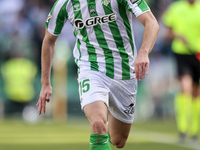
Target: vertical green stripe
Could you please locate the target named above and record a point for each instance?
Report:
(122, 12)
(102, 43)
(78, 46)
(62, 15)
(119, 42)
(47, 23)
(75, 32)
(126, 5)
(83, 31)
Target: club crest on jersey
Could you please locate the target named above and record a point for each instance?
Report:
(49, 17)
(80, 24)
(105, 2)
(92, 10)
(77, 7)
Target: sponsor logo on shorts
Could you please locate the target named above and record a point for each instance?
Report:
(130, 109)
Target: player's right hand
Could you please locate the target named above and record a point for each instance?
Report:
(45, 94)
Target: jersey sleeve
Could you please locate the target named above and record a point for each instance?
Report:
(57, 17)
(137, 7)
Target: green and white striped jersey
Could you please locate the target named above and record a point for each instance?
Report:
(104, 33)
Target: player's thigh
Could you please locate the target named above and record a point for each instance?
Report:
(93, 93)
(118, 130)
(122, 100)
(96, 112)
(92, 87)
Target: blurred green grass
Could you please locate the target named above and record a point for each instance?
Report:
(74, 135)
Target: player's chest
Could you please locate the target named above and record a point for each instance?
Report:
(84, 9)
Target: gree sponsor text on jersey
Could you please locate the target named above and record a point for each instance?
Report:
(79, 23)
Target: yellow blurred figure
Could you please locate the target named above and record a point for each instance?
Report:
(18, 75)
(183, 22)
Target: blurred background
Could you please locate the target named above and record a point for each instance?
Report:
(22, 26)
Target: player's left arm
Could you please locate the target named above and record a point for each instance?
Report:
(151, 29)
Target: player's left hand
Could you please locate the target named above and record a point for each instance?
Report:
(141, 66)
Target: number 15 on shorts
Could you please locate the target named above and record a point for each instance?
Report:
(84, 86)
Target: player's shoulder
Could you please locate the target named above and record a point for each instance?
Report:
(61, 4)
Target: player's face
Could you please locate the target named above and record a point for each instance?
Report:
(191, 1)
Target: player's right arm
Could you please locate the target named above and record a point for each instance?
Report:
(54, 24)
(48, 49)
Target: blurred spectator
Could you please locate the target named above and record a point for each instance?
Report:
(18, 75)
(182, 20)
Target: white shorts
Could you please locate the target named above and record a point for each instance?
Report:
(118, 95)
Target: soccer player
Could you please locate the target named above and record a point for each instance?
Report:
(106, 56)
(182, 20)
